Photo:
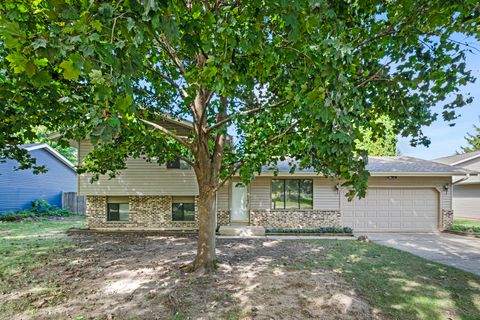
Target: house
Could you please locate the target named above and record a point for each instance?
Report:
(405, 194)
(18, 188)
(466, 190)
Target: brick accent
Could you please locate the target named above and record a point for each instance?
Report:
(223, 217)
(146, 212)
(447, 218)
(295, 219)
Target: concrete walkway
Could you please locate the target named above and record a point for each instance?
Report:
(452, 250)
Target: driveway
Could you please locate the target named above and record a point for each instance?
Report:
(452, 250)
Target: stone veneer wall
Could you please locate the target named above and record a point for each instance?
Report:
(447, 218)
(223, 217)
(146, 212)
(295, 219)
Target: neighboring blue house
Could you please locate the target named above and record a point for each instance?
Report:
(19, 188)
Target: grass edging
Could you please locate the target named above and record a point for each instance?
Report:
(465, 234)
(311, 234)
(323, 231)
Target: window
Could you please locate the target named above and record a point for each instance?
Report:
(177, 164)
(117, 209)
(183, 209)
(292, 194)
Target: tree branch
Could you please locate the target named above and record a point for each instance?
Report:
(240, 163)
(167, 132)
(244, 113)
(171, 52)
(183, 93)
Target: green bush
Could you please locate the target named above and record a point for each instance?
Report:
(464, 228)
(40, 208)
(318, 230)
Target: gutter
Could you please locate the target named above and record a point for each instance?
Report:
(461, 180)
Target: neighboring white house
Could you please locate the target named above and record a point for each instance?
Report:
(466, 190)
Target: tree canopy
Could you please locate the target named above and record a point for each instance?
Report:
(473, 140)
(297, 79)
(384, 146)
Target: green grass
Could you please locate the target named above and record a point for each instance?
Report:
(465, 225)
(27, 245)
(401, 285)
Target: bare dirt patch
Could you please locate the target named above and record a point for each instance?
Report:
(139, 277)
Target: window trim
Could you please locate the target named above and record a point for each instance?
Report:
(284, 194)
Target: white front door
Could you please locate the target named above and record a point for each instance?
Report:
(239, 209)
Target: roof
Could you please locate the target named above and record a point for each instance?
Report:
(398, 165)
(459, 158)
(53, 152)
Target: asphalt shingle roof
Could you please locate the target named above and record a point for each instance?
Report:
(457, 157)
(397, 164)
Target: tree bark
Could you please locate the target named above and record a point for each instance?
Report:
(205, 260)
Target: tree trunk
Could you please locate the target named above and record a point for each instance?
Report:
(205, 259)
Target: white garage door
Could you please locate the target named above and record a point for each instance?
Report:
(390, 209)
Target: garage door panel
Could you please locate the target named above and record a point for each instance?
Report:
(392, 209)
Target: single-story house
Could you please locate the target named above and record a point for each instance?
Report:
(466, 190)
(405, 194)
(18, 188)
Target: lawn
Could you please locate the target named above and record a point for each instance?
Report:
(47, 275)
(401, 285)
(466, 225)
(26, 246)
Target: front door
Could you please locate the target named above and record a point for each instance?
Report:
(239, 210)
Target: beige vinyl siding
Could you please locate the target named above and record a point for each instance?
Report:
(222, 197)
(325, 194)
(437, 183)
(140, 178)
(260, 197)
(466, 201)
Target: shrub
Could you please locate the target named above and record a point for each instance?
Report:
(40, 208)
(464, 228)
(318, 230)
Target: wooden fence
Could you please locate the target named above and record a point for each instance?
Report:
(73, 203)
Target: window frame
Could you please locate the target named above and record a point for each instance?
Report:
(182, 200)
(108, 216)
(299, 193)
(177, 164)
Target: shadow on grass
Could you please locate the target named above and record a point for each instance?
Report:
(402, 285)
(134, 276)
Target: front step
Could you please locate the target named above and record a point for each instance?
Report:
(242, 231)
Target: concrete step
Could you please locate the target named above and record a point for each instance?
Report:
(242, 231)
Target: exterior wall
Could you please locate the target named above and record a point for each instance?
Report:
(325, 194)
(19, 188)
(295, 219)
(141, 178)
(466, 200)
(146, 212)
(415, 182)
(447, 219)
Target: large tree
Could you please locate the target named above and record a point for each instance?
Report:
(293, 79)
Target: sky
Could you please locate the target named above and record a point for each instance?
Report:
(446, 140)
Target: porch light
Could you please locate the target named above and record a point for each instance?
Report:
(392, 177)
(446, 186)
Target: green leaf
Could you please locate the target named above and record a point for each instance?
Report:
(17, 62)
(70, 72)
(39, 43)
